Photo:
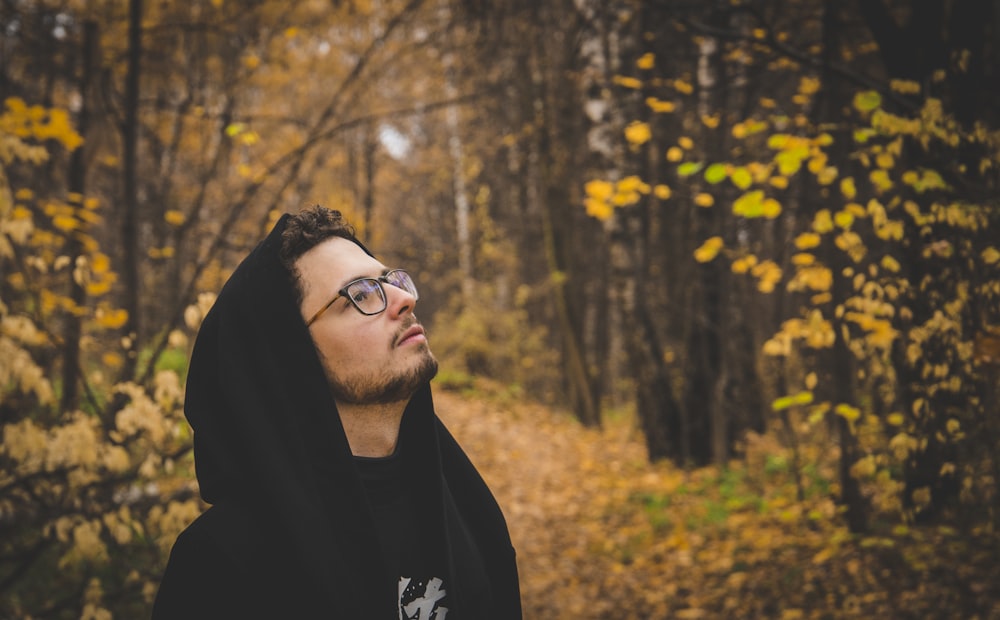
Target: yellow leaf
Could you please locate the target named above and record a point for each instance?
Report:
(768, 274)
(864, 468)
(809, 85)
(703, 199)
(744, 264)
(599, 189)
(100, 263)
(895, 419)
(990, 255)
(844, 219)
(662, 192)
(674, 154)
(803, 259)
(683, 87)
(646, 61)
(111, 319)
(827, 175)
(633, 183)
(890, 264)
(599, 209)
(112, 360)
(814, 277)
(906, 87)
(880, 179)
(807, 240)
(685, 143)
(817, 163)
(770, 208)
(708, 250)
(741, 177)
(710, 121)
(847, 188)
(892, 230)
(822, 221)
(847, 412)
(788, 162)
(638, 133)
(65, 223)
(658, 105)
(627, 82)
(779, 182)
(99, 287)
(251, 61)
(174, 217)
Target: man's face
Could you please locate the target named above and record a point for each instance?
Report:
(375, 359)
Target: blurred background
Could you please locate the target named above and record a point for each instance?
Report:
(715, 284)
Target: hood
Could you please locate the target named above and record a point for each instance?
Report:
(267, 437)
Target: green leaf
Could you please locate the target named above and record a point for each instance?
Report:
(867, 101)
(716, 173)
(688, 168)
(750, 204)
(862, 135)
(235, 129)
(802, 398)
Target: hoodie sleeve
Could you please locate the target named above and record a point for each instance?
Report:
(201, 581)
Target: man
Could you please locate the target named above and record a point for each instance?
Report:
(336, 492)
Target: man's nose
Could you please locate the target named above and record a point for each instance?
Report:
(398, 301)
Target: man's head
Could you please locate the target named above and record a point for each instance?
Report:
(304, 231)
(375, 358)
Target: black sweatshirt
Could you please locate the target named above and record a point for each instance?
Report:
(291, 531)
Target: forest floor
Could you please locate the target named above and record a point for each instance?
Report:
(602, 533)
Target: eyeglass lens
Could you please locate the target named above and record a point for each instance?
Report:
(369, 296)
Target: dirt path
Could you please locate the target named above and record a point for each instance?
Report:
(550, 477)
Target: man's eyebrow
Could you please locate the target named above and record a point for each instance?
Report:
(385, 270)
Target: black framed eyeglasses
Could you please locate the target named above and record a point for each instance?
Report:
(367, 294)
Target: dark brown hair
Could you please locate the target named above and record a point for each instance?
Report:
(307, 229)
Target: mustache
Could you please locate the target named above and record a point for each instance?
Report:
(408, 322)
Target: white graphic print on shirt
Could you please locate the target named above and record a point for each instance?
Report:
(421, 599)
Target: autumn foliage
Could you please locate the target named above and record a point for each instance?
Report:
(715, 288)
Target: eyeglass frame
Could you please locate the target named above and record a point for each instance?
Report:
(379, 281)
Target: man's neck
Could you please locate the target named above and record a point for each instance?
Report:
(372, 430)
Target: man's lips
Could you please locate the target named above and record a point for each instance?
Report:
(411, 335)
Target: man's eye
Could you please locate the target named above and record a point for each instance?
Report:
(359, 294)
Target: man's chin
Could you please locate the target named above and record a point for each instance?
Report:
(386, 390)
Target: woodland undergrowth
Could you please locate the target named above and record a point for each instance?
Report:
(602, 533)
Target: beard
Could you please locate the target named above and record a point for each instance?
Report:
(384, 388)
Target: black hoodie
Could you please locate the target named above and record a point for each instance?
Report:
(290, 531)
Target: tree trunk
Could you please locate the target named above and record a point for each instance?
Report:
(130, 198)
(77, 185)
(703, 417)
(461, 194)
